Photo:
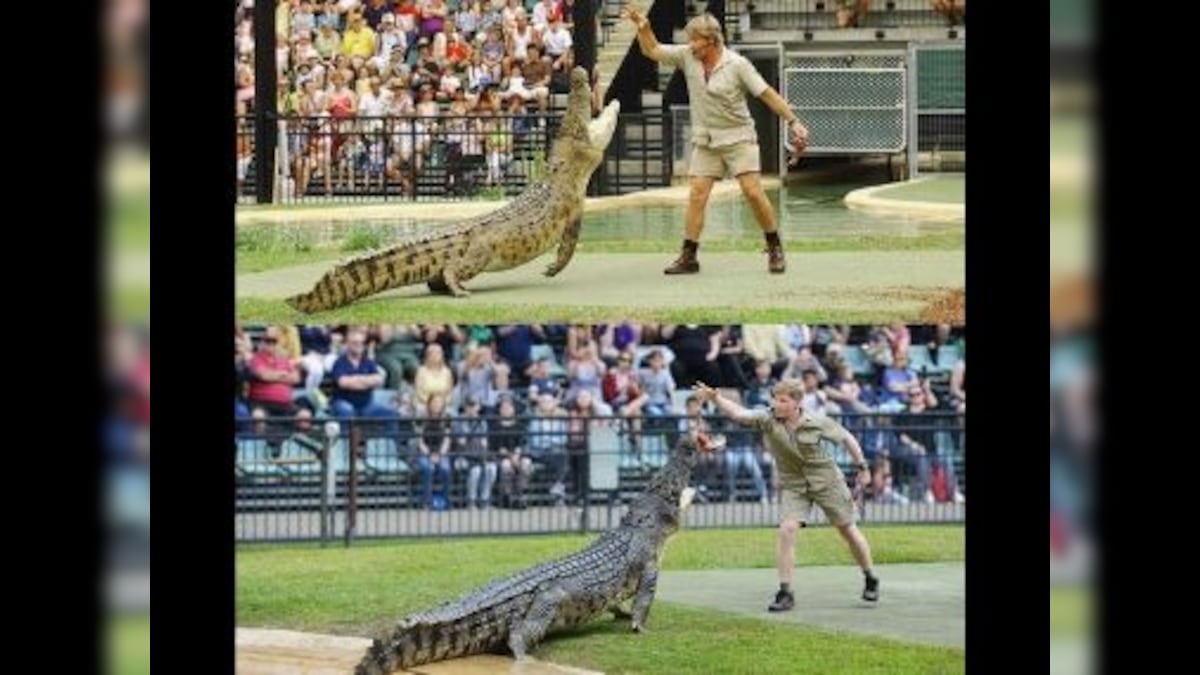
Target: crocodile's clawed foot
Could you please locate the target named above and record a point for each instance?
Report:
(460, 292)
(552, 270)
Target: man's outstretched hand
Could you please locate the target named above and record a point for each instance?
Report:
(704, 392)
(632, 13)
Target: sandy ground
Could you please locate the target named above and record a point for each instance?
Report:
(263, 651)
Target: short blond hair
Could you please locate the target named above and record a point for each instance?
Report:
(706, 26)
(791, 387)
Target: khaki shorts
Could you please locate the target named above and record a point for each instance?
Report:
(835, 500)
(738, 158)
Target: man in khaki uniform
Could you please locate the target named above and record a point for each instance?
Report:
(724, 140)
(807, 475)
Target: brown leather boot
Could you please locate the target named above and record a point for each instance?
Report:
(686, 263)
(775, 260)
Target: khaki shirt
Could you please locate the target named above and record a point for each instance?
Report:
(799, 455)
(719, 113)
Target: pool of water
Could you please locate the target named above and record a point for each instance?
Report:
(804, 211)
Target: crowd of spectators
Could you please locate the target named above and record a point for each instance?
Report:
(491, 402)
(379, 93)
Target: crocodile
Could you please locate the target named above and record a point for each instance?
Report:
(519, 610)
(548, 212)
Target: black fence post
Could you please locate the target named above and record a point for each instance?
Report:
(264, 102)
(584, 16)
(327, 481)
(352, 439)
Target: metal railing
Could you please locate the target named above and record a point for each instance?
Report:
(411, 157)
(825, 15)
(441, 157)
(639, 156)
(302, 481)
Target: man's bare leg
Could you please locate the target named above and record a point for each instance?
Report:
(785, 563)
(862, 554)
(686, 263)
(764, 213)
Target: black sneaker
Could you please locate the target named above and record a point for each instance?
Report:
(784, 601)
(871, 589)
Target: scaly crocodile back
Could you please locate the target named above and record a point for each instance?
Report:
(512, 235)
(479, 621)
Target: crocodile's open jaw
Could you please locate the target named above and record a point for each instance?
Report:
(601, 129)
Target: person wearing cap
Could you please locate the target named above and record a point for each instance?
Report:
(389, 37)
(401, 101)
(724, 139)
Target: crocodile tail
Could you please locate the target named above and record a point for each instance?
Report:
(427, 638)
(404, 264)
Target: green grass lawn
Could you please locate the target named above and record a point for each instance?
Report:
(261, 310)
(1071, 611)
(362, 589)
(260, 252)
(128, 645)
(1070, 135)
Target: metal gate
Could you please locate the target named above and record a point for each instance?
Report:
(851, 103)
(938, 106)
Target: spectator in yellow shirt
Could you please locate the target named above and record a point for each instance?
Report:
(359, 39)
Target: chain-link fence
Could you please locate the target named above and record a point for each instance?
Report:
(848, 106)
(857, 103)
(390, 477)
(938, 108)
